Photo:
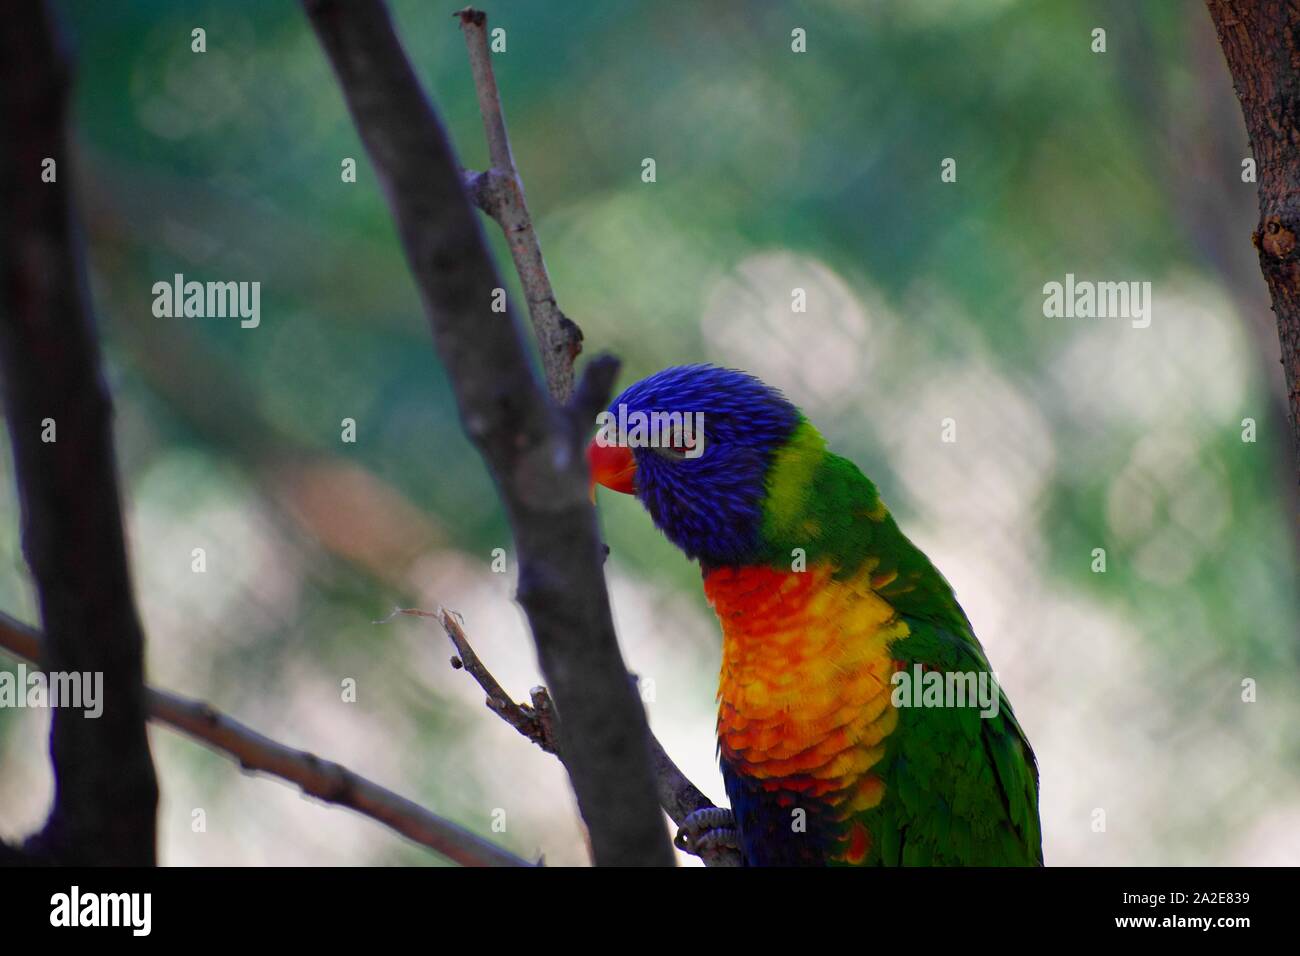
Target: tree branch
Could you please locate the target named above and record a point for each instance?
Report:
(59, 416)
(1261, 43)
(532, 447)
(499, 191)
(316, 777)
(677, 795)
(524, 719)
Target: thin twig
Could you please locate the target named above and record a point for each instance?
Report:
(499, 192)
(677, 795)
(519, 716)
(323, 779)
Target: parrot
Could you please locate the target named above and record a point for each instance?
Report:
(826, 611)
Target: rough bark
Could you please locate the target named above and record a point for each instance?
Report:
(1261, 42)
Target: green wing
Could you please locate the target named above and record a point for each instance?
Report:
(961, 789)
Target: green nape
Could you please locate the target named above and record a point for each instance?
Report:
(821, 507)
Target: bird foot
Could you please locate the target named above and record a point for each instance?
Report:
(706, 830)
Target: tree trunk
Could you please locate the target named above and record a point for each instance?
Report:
(1261, 42)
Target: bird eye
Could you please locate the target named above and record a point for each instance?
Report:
(672, 454)
(681, 448)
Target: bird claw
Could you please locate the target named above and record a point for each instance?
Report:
(706, 830)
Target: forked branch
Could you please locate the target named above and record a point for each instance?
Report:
(538, 722)
(531, 444)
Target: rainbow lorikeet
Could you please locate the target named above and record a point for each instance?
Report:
(827, 612)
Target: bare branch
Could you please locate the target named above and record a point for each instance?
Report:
(315, 776)
(523, 719)
(59, 414)
(677, 795)
(500, 193)
(532, 447)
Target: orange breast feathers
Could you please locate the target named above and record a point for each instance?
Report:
(804, 698)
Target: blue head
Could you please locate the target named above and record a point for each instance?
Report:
(708, 502)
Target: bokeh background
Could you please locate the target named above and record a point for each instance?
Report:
(775, 170)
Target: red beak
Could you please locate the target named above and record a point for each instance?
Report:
(612, 466)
